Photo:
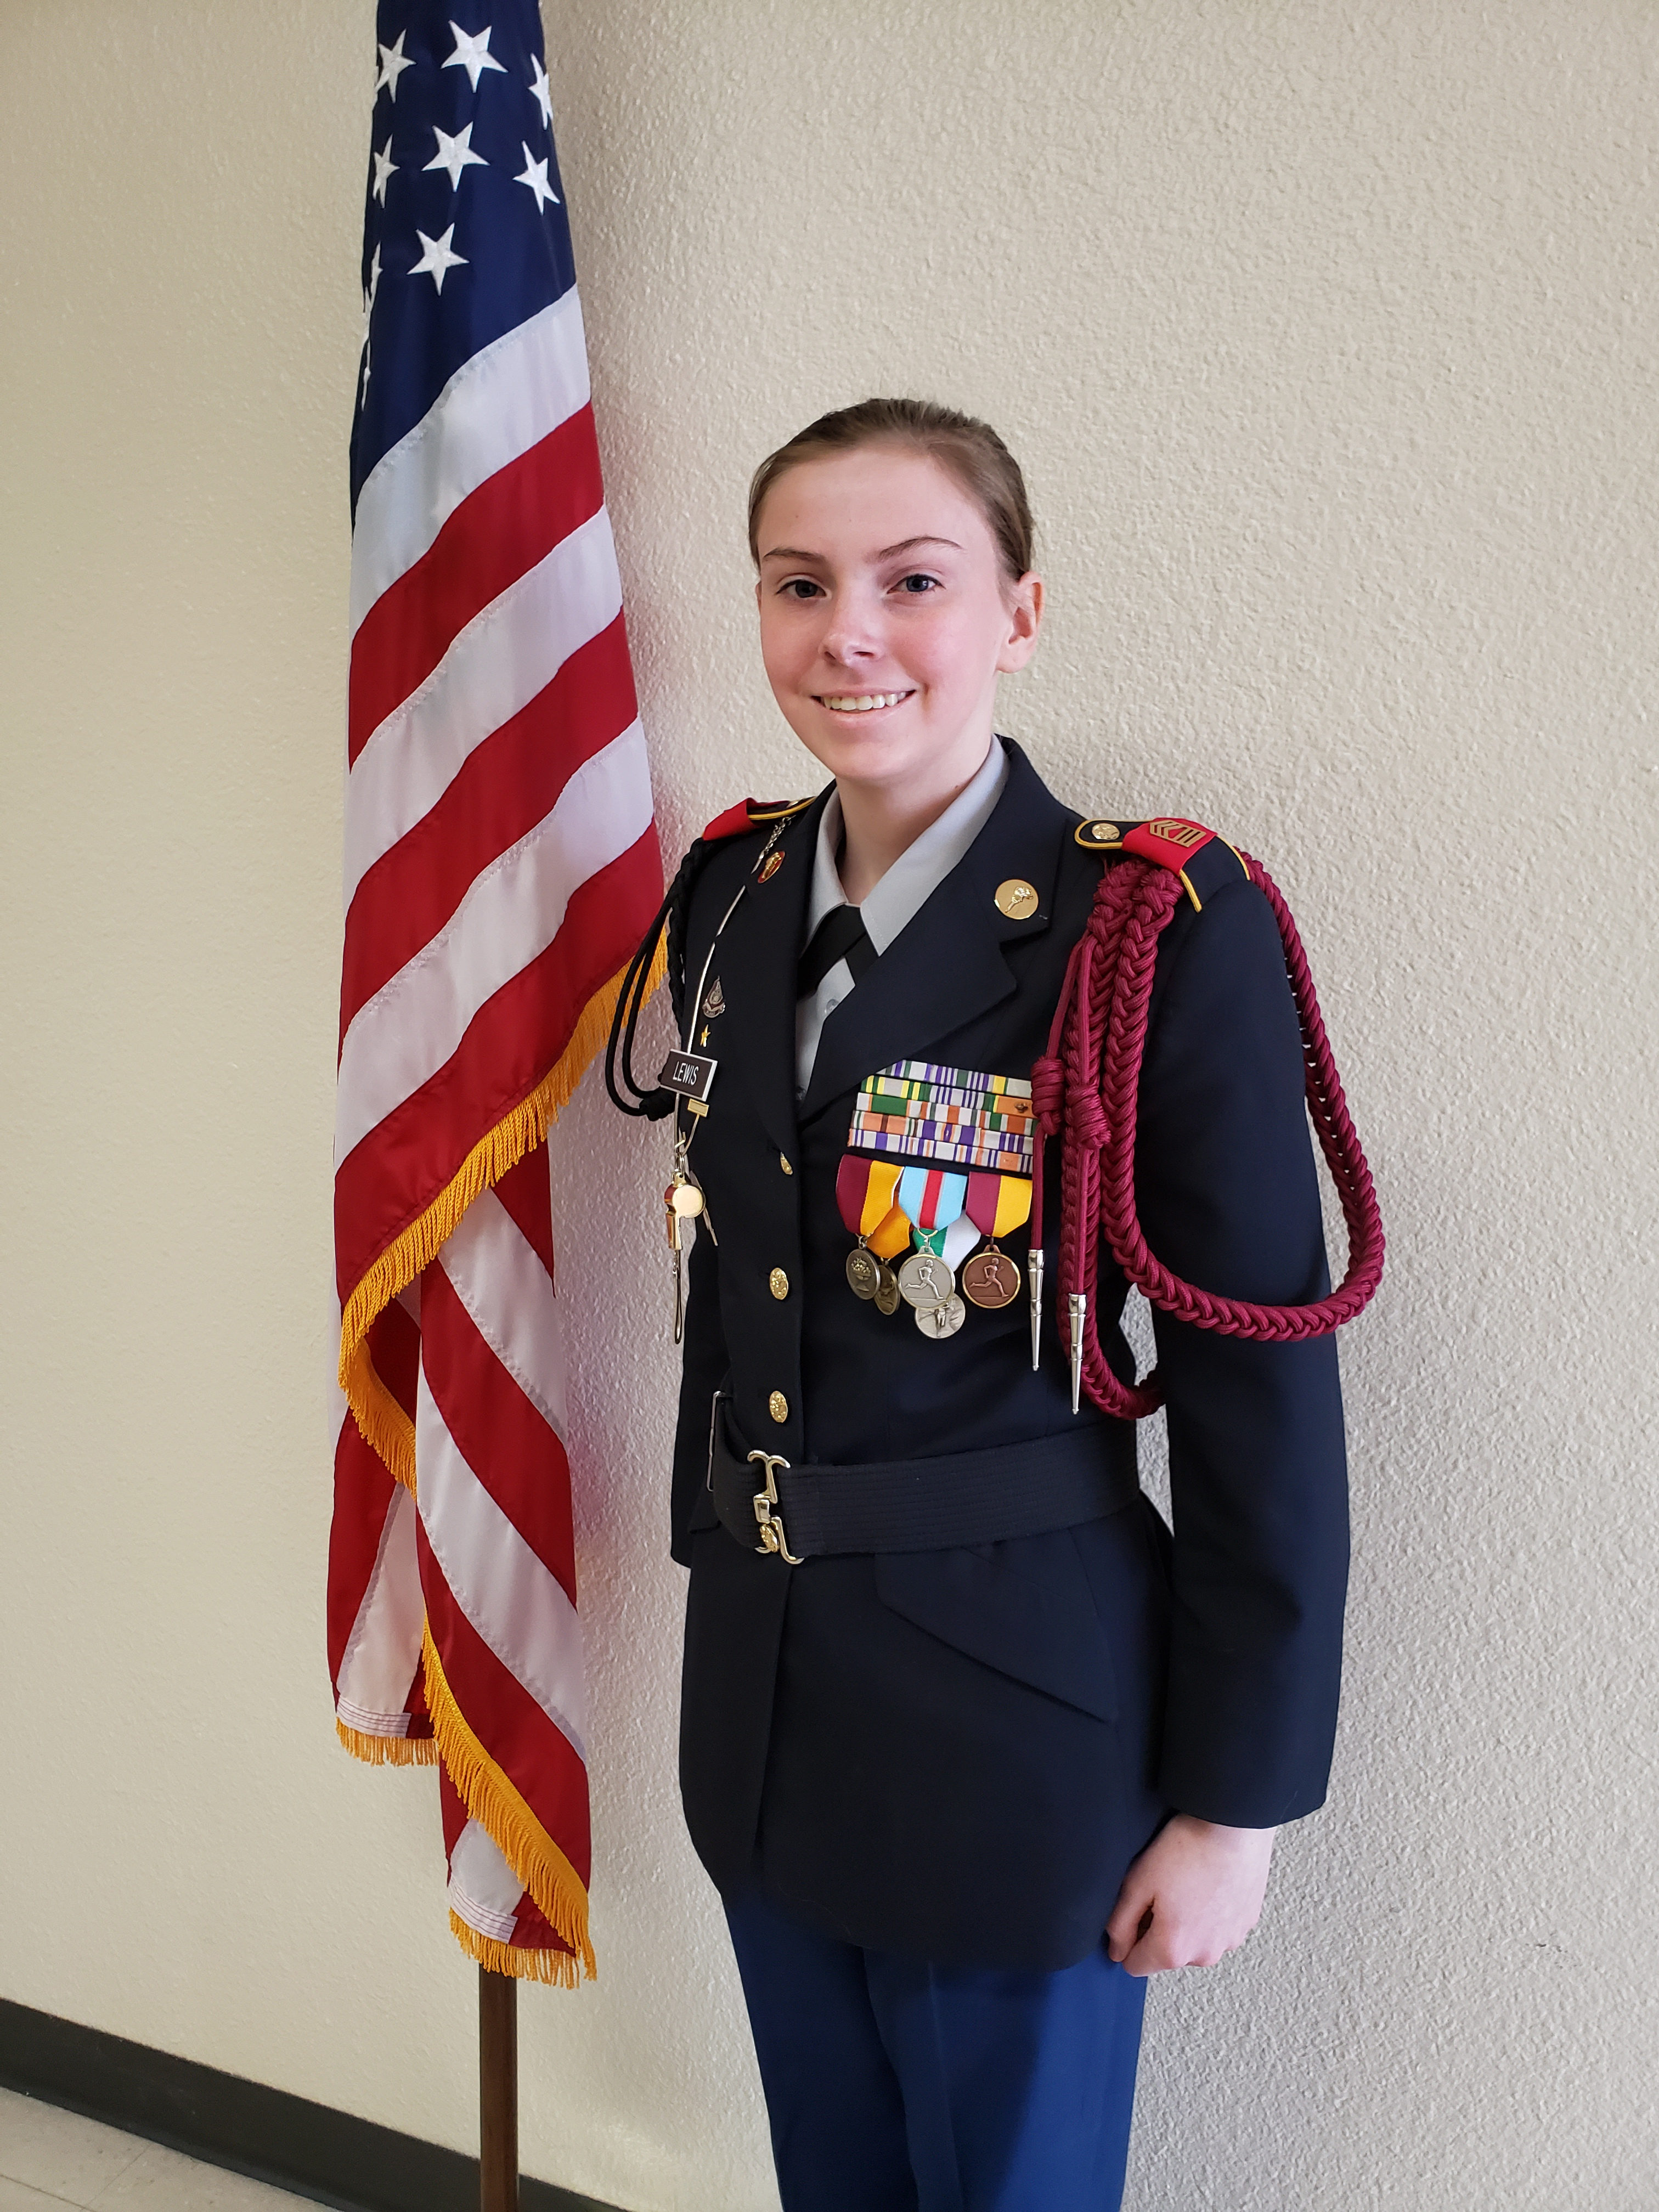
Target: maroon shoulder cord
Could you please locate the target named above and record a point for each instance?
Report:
(1085, 1091)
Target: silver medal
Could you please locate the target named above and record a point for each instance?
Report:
(941, 1320)
(925, 1280)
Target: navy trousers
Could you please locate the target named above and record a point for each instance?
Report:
(895, 2086)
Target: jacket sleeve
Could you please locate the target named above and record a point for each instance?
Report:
(1229, 1199)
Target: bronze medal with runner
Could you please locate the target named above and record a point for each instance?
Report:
(989, 1278)
(997, 1205)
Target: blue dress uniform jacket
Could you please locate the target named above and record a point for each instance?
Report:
(957, 1752)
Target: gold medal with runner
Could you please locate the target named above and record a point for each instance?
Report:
(997, 1205)
(865, 1195)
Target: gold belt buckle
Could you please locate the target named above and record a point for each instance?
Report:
(772, 1536)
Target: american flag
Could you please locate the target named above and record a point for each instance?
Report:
(501, 865)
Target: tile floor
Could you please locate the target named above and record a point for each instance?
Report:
(50, 2159)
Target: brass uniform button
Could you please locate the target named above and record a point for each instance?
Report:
(778, 1405)
(1099, 833)
(778, 1283)
(1016, 899)
(783, 1162)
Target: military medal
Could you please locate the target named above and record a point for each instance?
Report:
(990, 1278)
(925, 1281)
(941, 1320)
(932, 1200)
(997, 1205)
(864, 1193)
(959, 1128)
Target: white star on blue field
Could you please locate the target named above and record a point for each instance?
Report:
(462, 189)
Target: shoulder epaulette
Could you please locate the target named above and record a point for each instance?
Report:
(752, 814)
(1167, 840)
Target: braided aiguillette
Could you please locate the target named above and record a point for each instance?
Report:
(1084, 1090)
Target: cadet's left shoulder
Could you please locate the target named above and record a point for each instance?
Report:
(1205, 862)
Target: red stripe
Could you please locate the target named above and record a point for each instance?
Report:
(394, 1346)
(530, 1930)
(503, 1439)
(363, 1490)
(453, 1816)
(536, 1757)
(513, 520)
(525, 1191)
(389, 1180)
(502, 790)
(931, 1190)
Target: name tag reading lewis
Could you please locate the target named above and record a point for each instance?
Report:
(690, 1073)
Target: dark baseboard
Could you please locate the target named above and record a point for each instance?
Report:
(331, 2157)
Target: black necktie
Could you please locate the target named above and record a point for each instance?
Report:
(840, 936)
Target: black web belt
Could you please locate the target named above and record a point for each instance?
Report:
(1026, 1489)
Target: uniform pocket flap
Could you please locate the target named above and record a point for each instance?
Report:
(1023, 1607)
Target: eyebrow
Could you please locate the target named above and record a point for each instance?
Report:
(887, 552)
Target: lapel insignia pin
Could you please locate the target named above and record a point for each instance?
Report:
(1016, 899)
(769, 866)
(715, 1002)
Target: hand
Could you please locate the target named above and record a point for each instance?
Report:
(1193, 1895)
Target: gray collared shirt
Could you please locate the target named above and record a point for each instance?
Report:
(901, 892)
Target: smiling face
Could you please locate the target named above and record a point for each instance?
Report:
(886, 619)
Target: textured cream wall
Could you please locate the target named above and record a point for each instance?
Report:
(1328, 337)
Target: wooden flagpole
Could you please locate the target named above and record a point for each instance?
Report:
(498, 2092)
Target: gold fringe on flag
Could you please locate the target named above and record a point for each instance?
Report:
(561, 1968)
(387, 1750)
(384, 1425)
(492, 1801)
(386, 1429)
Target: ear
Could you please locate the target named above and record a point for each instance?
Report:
(1024, 621)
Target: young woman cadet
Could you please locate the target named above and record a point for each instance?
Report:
(970, 1744)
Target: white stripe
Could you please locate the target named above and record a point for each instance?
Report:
(510, 651)
(367, 1722)
(499, 1278)
(483, 1888)
(496, 406)
(383, 1652)
(518, 1608)
(414, 1022)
